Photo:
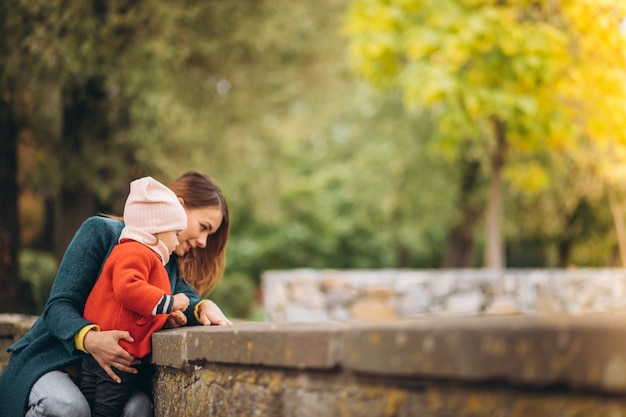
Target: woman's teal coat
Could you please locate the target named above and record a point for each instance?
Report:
(49, 344)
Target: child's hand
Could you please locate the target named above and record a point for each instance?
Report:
(176, 319)
(181, 302)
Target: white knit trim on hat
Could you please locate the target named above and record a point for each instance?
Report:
(147, 239)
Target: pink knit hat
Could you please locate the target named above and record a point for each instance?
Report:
(153, 208)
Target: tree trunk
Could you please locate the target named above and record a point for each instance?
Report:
(494, 251)
(9, 222)
(618, 219)
(85, 111)
(460, 242)
(571, 233)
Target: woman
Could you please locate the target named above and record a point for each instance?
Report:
(40, 379)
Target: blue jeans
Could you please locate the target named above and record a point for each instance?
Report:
(56, 395)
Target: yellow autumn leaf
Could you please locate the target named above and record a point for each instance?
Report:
(528, 177)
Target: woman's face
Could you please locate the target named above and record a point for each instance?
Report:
(201, 222)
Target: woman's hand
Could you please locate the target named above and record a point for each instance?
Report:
(210, 314)
(104, 347)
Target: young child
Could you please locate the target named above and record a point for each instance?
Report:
(133, 291)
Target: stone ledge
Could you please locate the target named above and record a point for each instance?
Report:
(12, 327)
(310, 346)
(585, 352)
(15, 325)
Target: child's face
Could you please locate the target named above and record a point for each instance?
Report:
(170, 239)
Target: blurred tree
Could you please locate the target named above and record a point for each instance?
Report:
(9, 130)
(510, 79)
(563, 223)
(38, 270)
(319, 169)
(460, 251)
(356, 200)
(9, 225)
(96, 89)
(236, 296)
(56, 53)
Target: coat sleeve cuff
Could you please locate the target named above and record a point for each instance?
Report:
(79, 338)
(196, 310)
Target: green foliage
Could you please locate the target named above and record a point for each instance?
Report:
(515, 79)
(525, 63)
(367, 195)
(37, 271)
(319, 169)
(574, 226)
(236, 295)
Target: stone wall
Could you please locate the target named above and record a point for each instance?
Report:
(454, 348)
(12, 327)
(307, 295)
(515, 366)
(494, 365)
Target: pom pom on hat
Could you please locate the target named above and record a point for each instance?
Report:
(153, 208)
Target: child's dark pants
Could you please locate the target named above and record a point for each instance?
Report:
(105, 396)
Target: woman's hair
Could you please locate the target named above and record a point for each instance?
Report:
(202, 268)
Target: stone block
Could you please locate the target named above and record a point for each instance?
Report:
(5, 342)
(15, 325)
(169, 347)
(414, 301)
(307, 292)
(298, 313)
(219, 390)
(582, 352)
(372, 308)
(541, 366)
(290, 345)
(468, 302)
